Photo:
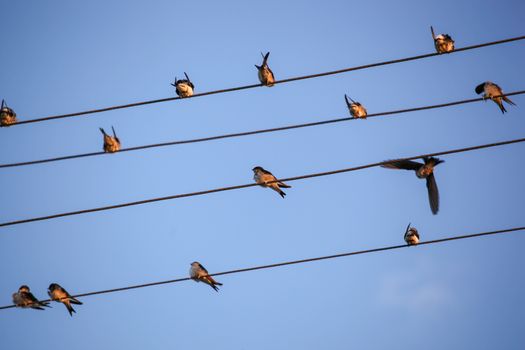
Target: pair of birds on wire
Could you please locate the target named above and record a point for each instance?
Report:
(25, 299)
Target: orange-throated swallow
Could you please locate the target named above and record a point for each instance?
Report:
(60, 295)
(111, 143)
(264, 178)
(411, 235)
(24, 298)
(355, 108)
(442, 42)
(199, 274)
(7, 115)
(423, 171)
(183, 87)
(494, 92)
(265, 73)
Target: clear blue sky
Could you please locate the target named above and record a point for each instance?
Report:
(67, 56)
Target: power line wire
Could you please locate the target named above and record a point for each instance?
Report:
(222, 189)
(366, 66)
(294, 262)
(247, 133)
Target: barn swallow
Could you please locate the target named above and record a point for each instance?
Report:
(60, 295)
(494, 92)
(199, 274)
(423, 171)
(442, 42)
(356, 109)
(7, 115)
(266, 179)
(265, 73)
(183, 87)
(24, 298)
(111, 143)
(411, 235)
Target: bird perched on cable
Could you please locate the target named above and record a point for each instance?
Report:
(265, 73)
(411, 235)
(111, 143)
(7, 115)
(264, 178)
(60, 295)
(356, 109)
(199, 274)
(24, 298)
(183, 87)
(494, 92)
(423, 171)
(442, 42)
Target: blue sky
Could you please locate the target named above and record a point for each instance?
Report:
(66, 56)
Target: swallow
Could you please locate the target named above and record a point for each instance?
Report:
(411, 236)
(264, 178)
(423, 171)
(7, 115)
(494, 92)
(442, 42)
(60, 295)
(199, 274)
(356, 109)
(111, 143)
(183, 87)
(265, 73)
(24, 298)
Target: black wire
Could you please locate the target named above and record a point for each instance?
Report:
(222, 189)
(135, 104)
(294, 262)
(254, 132)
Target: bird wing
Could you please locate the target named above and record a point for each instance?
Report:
(203, 269)
(433, 193)
(403, 164)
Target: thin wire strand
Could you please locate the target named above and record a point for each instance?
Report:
(248, 133)
(294, 262)
(366, 66)
(222, 189)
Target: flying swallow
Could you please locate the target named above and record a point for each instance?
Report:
(356, 109)
(60, 295)
(111, 143)
(265, 73)
(183, 87)
(411, 235)
(264, 178)
(494, 92)
(442, 42)
(423, 171)
(24, 298)
(7, 115)
(199, 274)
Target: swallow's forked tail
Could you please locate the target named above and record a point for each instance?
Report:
(432, 31)
(70, 308)
(501, 106)
(506, 99)
(103, 132)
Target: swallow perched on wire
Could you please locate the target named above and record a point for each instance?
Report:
(111, 143)
(423, 171)
(60, 295)
(265, 73)
(356, 109)
(264, 178)
(24, 298)
(411, 236)
(7, 115)
(494, 92)
(199, 274)
(442, 42)
(183, 87)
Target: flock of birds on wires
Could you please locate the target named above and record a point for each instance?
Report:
(185, 88)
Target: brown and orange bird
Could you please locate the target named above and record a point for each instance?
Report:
(264, 178)
(442, 42)
(25, 299)
(356, 109)
(111, 143)
(493, 91)
(183, 87)
(411, 236)
(265, 73)
(199, 274)
(7, 115)
(60, 295)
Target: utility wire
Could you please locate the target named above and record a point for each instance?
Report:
(222, 189)
(294, 262)
(366, 66)
(254, 132)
